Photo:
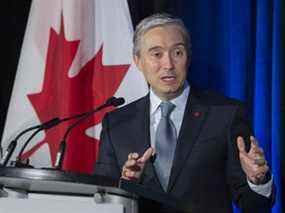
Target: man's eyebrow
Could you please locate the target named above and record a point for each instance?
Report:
(179, 44)
(154, 48)
(159, 47)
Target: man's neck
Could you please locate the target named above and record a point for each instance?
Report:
(171, 96)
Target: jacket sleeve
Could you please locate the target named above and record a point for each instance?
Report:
(106, 163)
(245, 198)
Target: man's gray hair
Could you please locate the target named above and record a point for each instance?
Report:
(158, 20)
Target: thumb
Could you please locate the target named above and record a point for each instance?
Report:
(240, 144)
(146, 156)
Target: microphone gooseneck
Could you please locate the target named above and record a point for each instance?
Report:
(49, 124)
(11, 147)
(113, 101)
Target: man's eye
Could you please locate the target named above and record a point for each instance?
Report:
(178, 53)
(156, 54)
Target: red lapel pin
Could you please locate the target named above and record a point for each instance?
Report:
(196, 114)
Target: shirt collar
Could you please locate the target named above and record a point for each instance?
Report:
(179, 101)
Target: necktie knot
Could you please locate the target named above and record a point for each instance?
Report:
(166, 108)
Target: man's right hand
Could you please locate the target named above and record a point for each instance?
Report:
(134, 166)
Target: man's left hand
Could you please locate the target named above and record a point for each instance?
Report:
(253, 162)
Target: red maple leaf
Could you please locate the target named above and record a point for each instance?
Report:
(62, 96)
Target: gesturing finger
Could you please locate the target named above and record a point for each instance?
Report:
(133, 155)
(129, 164)
(253, 145)
(253, 140)
(240, 144)
(146, 156)
(256, 152)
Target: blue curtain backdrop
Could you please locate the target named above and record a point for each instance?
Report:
(238, 50)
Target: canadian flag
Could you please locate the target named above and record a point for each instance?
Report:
(75, 55)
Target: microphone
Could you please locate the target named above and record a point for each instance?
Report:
(7, 155)
(47, 125)
(11, 147)
(113, 101)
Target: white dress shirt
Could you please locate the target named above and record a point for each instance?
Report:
(176, 115)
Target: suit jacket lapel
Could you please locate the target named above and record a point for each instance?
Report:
(142, 125)
(194, 117)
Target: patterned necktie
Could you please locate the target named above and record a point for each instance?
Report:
(165, 143)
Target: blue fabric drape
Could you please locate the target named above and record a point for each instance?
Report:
(237, 50)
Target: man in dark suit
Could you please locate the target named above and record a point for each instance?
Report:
(205, 154)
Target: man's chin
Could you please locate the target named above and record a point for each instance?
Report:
(171, 94)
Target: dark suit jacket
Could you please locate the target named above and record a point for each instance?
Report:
(206, 175)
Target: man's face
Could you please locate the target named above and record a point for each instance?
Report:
(163, 60)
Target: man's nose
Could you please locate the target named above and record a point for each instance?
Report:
(167, 61)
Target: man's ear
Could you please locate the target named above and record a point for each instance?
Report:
(188, 62)
(137, 61)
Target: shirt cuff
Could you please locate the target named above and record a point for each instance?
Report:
(263, 189)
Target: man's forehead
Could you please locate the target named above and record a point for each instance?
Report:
(159, 36)
(166, 28)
